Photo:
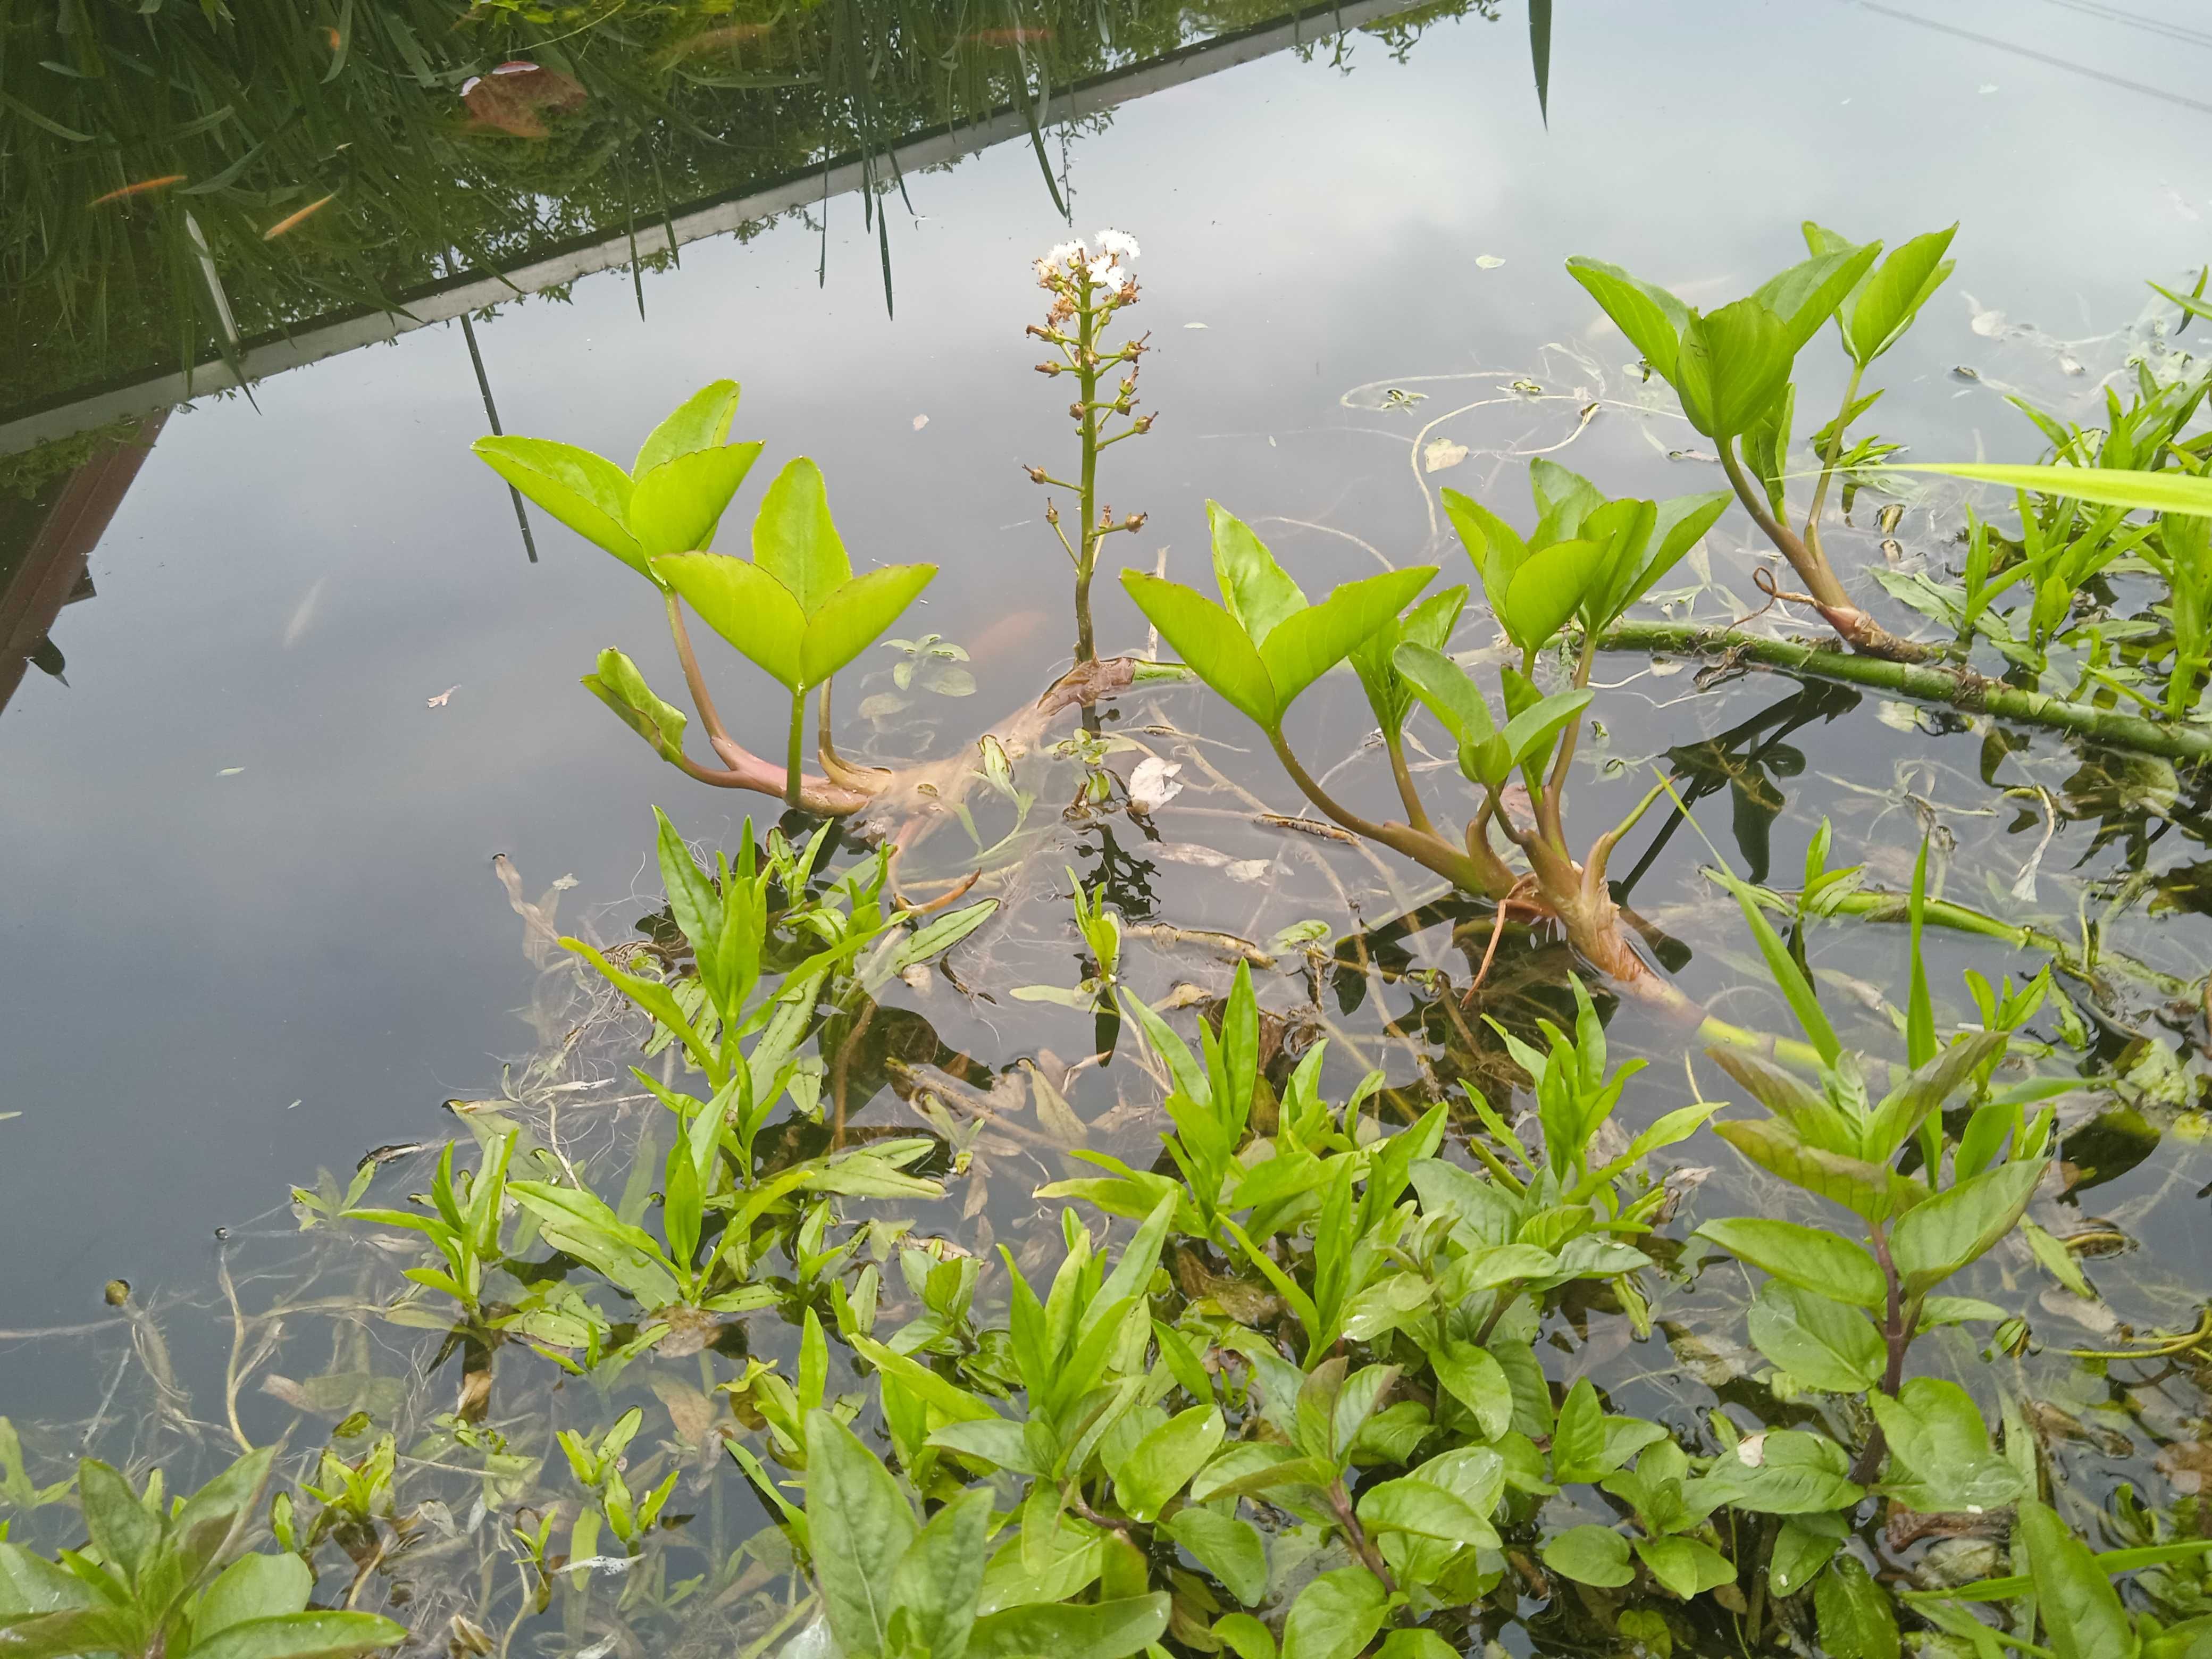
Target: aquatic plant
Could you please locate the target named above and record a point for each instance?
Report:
(1731, 370)
(1088, 290)
(163, 1575)
(1589, 558)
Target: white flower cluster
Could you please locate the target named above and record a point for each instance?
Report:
(1109, 268)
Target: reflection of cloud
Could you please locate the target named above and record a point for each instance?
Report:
(304, 617)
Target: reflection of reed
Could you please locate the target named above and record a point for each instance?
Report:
(146, 186)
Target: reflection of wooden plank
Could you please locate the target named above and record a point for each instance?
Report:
(312, 341)
(34, 586)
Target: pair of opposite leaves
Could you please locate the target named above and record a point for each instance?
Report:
(796, 608)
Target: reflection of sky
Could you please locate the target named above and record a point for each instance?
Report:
(189, 952)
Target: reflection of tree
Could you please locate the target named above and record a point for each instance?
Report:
(201, 129)
(1747, 760)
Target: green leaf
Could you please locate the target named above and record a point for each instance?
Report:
(1245, 1636)
(794, 539)
(1786, 1472)
(936, 1581)
(1795, 989)
(1530, 733)
(1546, 589)
(254, 1587)
(619, 685)
(848, 620)
(1228, 1548)
(1100, 1630)
(994, 1439)
(1494, 545)
(1411, 1505)
(32, 1585)
(1651, 318)
(1161, 1464)
(1733, 365)
(745, 604)
(1807, 295)
(124, 1531)
(1872, 1190)
(1891, 297)
(1589, 1555)
(674, 506)
(1802, 1546)
(1415, 1644)
(1255, 589)
(1256, 1467)
(1856, 1618)
(1335, 1616)
(1940, 1460)
(1211, 641)
(1686, 1566)
(700, 422)
(1450, 694)
(1477, 1381)
(1804, 1256)
(1821, 1343)
(2149, 492)
(1578, 1436)
(2057, 1260)
(586, 492)
(302, 1636)
(580, 1223)
(1430, 624)
(1961, 1223)
(201, 1530)
(1307, 644)
(860, 1525)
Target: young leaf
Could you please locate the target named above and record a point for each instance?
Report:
(1807, 295)
(1792, 982)
(619, 685)
(1477, 1381)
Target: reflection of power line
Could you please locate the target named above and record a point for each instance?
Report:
(2128, 18)
(491, 414)
(2038, 57)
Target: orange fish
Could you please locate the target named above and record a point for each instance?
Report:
(291, 220)
(143, 186)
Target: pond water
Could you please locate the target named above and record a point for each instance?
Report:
(253, 922)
